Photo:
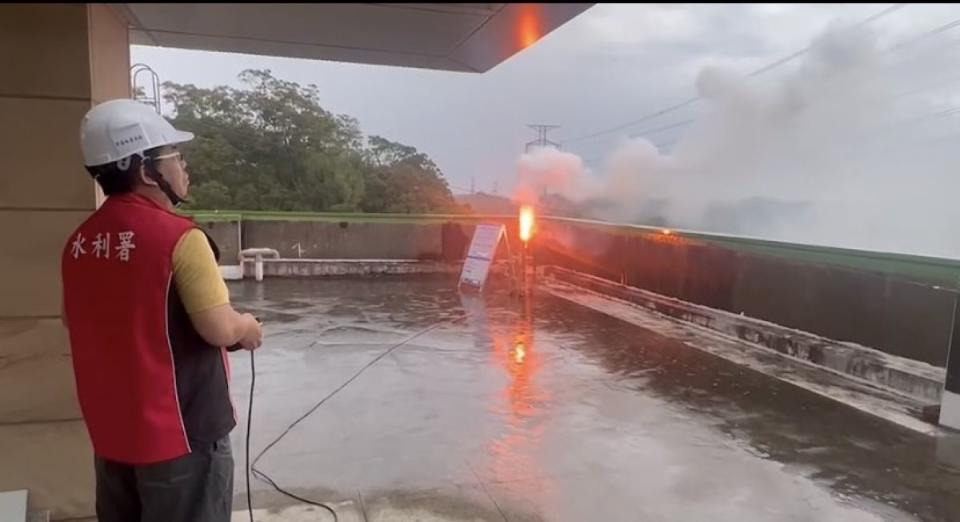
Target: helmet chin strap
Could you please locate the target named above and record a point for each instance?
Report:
(165, 187)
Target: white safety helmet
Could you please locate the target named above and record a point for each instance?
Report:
(118, 129)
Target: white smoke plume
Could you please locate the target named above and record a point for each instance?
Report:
(550, 171)
(858, 146)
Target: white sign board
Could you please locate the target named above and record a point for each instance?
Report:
(483, 248)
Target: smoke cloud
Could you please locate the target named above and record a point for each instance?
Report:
(545, 170)
(857, 145)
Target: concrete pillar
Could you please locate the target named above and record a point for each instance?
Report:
(56, 61)
(950, 402)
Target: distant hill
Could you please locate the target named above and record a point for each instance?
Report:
(482, 203)
(553, 205)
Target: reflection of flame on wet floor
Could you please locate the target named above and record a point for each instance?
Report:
(522, 395)
(521, 404)
(519, 353)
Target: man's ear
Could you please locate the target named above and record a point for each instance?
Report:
(145, 179)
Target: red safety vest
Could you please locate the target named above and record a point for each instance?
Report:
(149, 386)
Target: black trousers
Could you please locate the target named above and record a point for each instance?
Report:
(194, 488)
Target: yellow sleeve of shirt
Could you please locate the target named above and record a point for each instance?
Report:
(196, 274)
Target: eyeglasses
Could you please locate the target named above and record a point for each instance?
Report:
(178, 155)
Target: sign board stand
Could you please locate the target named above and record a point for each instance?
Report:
(483, 250)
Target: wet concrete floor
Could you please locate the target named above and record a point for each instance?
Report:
(543, 410)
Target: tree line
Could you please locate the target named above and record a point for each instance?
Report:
(271, 146)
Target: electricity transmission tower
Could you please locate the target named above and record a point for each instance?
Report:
(541, 141)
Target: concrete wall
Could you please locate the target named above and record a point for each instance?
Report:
(57, 60)
(345, 240)
(902, 317)
(887, 311)
(350, 239)
(227, 236)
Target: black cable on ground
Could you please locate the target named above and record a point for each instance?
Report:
(252, 467)
(253, 382)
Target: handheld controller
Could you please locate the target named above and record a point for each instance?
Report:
(237, 346)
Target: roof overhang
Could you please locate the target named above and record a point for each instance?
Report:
(455, 37)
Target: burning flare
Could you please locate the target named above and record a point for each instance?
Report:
(526, 223)
(519, 353)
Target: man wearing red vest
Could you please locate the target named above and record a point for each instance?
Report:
(149, 316)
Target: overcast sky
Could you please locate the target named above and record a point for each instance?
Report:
(611, 64)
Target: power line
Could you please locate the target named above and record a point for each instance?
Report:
(927, 87)
(634, 122)
(905, 123)
(895, 48)
(914, 121)
(752, 74)
(663, 128)
(805, 50)
(936, 30)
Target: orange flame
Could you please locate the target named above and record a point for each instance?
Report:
(526, 223)
(529, 27)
